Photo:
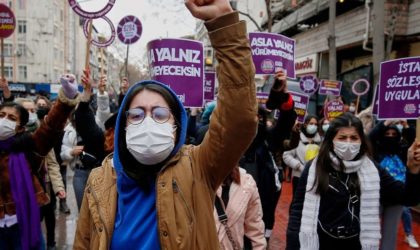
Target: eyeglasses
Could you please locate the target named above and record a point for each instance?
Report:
(159, 114)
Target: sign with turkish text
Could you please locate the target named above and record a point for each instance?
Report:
(301, 105)
(129, 30)
(209, 85)
(100, 43)
(330, 87)
(7, 21)
(360, 87)
(271, 52)
(306, 64)
(333, 109)
(74, 4)
(399, 89)
(262, 98)
(179, 64)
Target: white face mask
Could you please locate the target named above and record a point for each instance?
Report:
(32, 118)
(346, 151)
(150, 142)
(311, 129)
(352, 108)
(325, 127)
(400, 127)
(7, 129)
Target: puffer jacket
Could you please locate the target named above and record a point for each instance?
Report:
(295, 158)
(186, 185)
(244, 215)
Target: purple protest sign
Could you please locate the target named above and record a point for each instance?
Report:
(399, 89)
(179, 63)
(262, 98)
(209, 85)
(7, 21)
(105, 43)
(376, 100)
(360, 87)
(91, 15)
(333, 109)
(301, 105)
(129, 30)
(309, 84)
(330, 87)
(271, 52)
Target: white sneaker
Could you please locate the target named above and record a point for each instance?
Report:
(411, 241)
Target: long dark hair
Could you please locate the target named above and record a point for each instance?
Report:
(143, 174)
(324, 162)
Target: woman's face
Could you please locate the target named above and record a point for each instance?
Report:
(325, 122)
(313, 121)
(29, 106)
(12, 115)
(148, 100)
(41, 103)
(347, 134)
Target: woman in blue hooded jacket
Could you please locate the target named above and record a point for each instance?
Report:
(154, 192)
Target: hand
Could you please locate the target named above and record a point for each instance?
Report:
(87, 85)
(4, 85)
(296, 128)
(413, 157)
(124, 85)
(102, 85)
(208, 9)
(404, 123)
(194, 111)
(69, 84)
(77, 150)
(280, 82)
(61, 194)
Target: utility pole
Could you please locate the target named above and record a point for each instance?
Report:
(378, 37)
(332, 72)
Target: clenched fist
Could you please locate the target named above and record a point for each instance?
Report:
(208, 9)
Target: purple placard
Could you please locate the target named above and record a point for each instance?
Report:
(309, 84)
(179, 63)
(129, 29)
(271, 52)
(333, 109)
(399, 89)
(330, 87)
(301, 105)
(360, 82)
(209, 85)
(262, 97)
(376, 100)
(91, 15)
(98, 43)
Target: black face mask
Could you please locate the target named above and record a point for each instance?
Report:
(391, 144)
(42, 112)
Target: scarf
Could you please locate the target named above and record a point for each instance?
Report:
(23, 193)
(369, 204)
(395, 167)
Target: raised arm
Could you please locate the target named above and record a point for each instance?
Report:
(234, 121)
(7, 94)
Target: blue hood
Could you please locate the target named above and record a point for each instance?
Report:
(182, 121)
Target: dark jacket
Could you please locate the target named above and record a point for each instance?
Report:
(92, 136)
(334, 205)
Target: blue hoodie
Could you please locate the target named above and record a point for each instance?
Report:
(136, 219)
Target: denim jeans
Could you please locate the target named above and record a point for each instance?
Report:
(406, 220)
(79, 183)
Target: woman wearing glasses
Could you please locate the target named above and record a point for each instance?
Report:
(154, 192)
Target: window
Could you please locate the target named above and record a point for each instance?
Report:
(8, 72)
(61, 15)
(55, 30)
(22, 26)
(23, 72)
(8, 50)
(21, 50)
(56, 54)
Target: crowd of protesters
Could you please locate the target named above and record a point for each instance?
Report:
(153, 175)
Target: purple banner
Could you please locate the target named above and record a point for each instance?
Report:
(333, 109)
(209, 85)
(301, 105)
(399, 89)
(330, 87)
(271, 52)
(179, 63)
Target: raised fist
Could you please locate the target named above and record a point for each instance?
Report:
(69, 85)
(208, 9)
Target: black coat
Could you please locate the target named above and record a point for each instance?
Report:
(333, 204)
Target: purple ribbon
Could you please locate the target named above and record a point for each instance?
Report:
(23, 192)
